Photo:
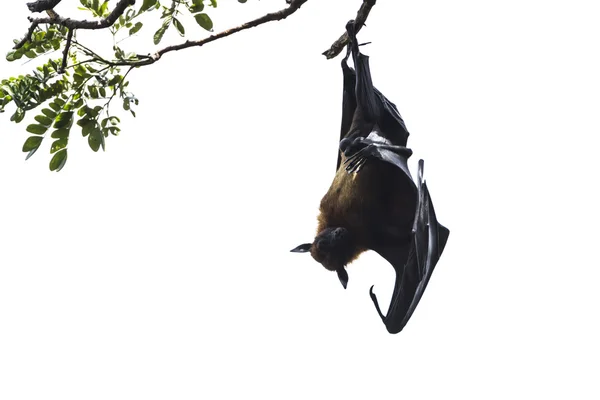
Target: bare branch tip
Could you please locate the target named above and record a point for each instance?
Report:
(42, 5)
(361, 17)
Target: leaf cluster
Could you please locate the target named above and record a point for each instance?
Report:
(81, 94)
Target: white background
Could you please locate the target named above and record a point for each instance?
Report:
(160, 269)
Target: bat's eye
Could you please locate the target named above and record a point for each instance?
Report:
(323, 246)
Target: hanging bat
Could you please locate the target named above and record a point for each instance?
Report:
(373, 202)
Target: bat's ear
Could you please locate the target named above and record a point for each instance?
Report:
(343, 275)
(303, 248)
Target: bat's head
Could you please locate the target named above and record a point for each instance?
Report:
(333, 248)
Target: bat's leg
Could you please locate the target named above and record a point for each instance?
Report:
(366, 99)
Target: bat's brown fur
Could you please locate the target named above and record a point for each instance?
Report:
(371, 205)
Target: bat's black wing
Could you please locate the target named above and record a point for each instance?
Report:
(376, 131)
(428, 239)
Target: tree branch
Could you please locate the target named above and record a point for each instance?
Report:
(77, 24)
(42, 5)
(337, 46)
(274, 16)
(27, 36)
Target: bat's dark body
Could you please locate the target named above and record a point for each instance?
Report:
(373, 202)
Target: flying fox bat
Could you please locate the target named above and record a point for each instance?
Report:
(373, 202)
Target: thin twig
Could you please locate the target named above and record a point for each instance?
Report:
(361, 16)
(82, 62)
(66, 51)
(294, 5)
(27, 36)
(91, 53)
(107, 104)
(77, 24)
(274, 16)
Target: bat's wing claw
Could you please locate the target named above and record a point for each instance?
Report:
(355, 162)
(374, 298)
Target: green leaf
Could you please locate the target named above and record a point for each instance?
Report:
(93, 91)
(85, 121)
(96, 139)
(160, 33)
(197, 6)
(103, 8)
(36, 129)
(242, 1)
(81, 70)
(179, 26)
(213, 3)
(49, 113)
(102, 92)
(58, 145)
(43, 120)
(64, 120)
(114, 80)
(81, 112)
(135, 28)
(114, 130)
(60, 134)
(7, 99)
(39, 36)
(88, 127)
(77, 78)
(204, 21)
(32, 152)
(32, 143)
(78, 103)
(18, 115)
(147, 4)
(30, 54)
(95, 111)
(113, 121)
(58, 160)
(57, 104)
(54, 65)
